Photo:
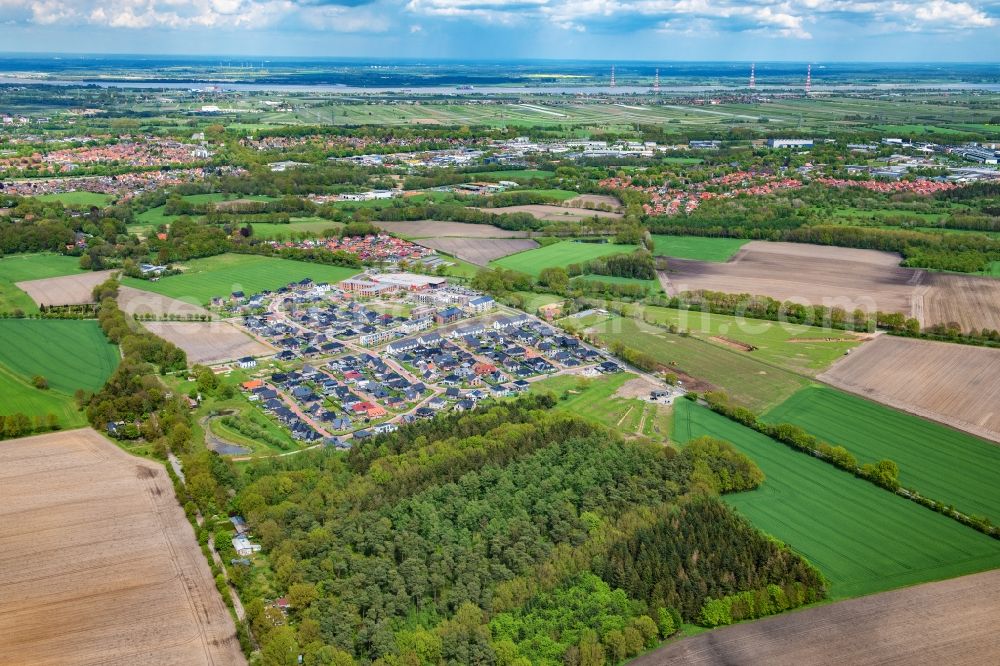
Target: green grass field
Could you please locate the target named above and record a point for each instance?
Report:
(221, 275)
(863, 538)
(18, 395)
(938, 462)
(314, 226)
(652, 286)
(78, 199)
(697, 247)
(595, 400)
(21, 267)
(70, 354)
(558, 254)
(750, 382)
(804, 349)
(560, 195)
(533, 301)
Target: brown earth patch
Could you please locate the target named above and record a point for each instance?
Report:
(733, 344)
(639, 387)
(98, 563)
(970, 301)
(209, 342)
(597, 199)
(480, 251)
(137, 301)
(958, 385)
(66, 290)
(889, 628)
(552, 213)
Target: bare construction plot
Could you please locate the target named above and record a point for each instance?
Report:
(971, 302)
(480, 251)
(209, 342)
(598, 199)
(137, 301)
(951, 622)
(955, 384)
(66, 290)
(812, 274)
(552, 213)
(435, 229)
(98, 563)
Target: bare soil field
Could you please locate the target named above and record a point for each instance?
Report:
(952, 622)
(598, 199)
(137, 301)
(435, 229)
(554, 213)
(813, 274)
(955, 384)
(638, 387)
(65, 290)
(98, 563)
(209, 342)
(972, 302)
(480, 251)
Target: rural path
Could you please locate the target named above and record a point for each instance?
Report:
(951, 621)
(233, 593)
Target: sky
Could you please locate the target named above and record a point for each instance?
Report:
(797, 30)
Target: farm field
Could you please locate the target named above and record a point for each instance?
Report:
(562, 253)
(581, 200)
(313, 226)
(805, 349)
(697, 247)
(972, 302)
(139, 302)
(863, 538)
(70, 354)
(516, 175)
(22, 267)
(611, 400)
(818, 275)
(221, 275)
(936, 461)
(652, 286)
(18, 395)
(553, 213)
(890, 627)
(208, 342)
(559, 195)
(66, 290)
(98, 562)
(533, 301)
(750, 382)
(954, 384)
(480, 251)
(78, 199)
(436, 229)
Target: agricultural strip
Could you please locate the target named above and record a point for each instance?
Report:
(562, 254)
(438, 229)
(480, 251)
(954, 384)
(891, 627)
(219, 276)
(863, 538)
(98, 563)
(936, 461)
(23, 267)
(750, 382)
(697, 247)
(552, 213)
(66, 290)
(70, 354)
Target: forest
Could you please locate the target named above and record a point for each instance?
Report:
(499, 537)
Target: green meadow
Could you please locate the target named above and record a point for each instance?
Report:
(696, 247)
(562, 253)
(23, 267)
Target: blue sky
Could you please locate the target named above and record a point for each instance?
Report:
(814, 30)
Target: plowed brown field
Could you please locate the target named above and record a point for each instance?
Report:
(480, 251)
(436, 229)
(951, 622)
(65, 290)
(98, 563)
(955, 384)
(209, 342)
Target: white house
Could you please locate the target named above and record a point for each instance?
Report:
(247, 362)
(244, 547)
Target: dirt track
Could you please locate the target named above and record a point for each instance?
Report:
(955, 384)
(209, 342)
(66, 290)
(480, 251)
(952, 622)
(98, 563)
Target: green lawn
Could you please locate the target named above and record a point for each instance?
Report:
(938, 462)
(221, 275)
(697, 247)
(750, 382)
(78, 199)
(71, 354)
(783, 344)
(863, 538)
(558, 254)
(21, 267)
(153, 217)
(594, 399)
(533, 301)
